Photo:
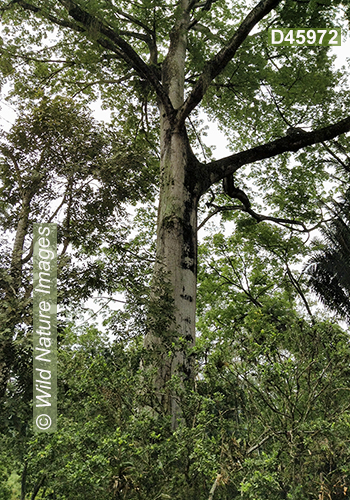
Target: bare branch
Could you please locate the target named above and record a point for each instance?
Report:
(131, 19)
(32, 8)
(257, 445)
(28, 57)
(134, 34)
(112, 41)
(213, 488)
(100, 82)
(300, 292)
(218, 210)
(260, 218)
(336, 157)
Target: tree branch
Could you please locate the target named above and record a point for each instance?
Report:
(258, 218)
(215, 66)
(258, 445)
(112, 41)
(85, 86)
(213, 488)
(131, 19)
(150, 37)
(336, 157)
(218, 210)
(217, 170)
(300, 292)
(32, 8)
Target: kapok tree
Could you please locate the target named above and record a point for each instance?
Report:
(164, 61)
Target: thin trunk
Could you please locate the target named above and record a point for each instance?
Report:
(37, 486)
(10, 314)
(21, 232)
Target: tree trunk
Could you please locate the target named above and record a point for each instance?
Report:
(17, 252)
(173, 303)
(9, 313)
(173, 306)
(24, 481)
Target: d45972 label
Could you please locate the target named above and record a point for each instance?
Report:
(305, 36)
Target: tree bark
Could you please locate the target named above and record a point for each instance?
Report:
(174, 283)
(173, 303)
(10, 314)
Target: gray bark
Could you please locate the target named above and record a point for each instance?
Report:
(174, 284)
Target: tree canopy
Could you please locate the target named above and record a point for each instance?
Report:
(255, 405)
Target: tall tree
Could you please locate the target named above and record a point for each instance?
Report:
(175, 58)
(58, 164)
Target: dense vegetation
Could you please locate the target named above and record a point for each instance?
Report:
(258, 406)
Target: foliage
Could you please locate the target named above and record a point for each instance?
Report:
(329, 268)
(279, 371)
(58, 164)
(267, 415)
(269, 419)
